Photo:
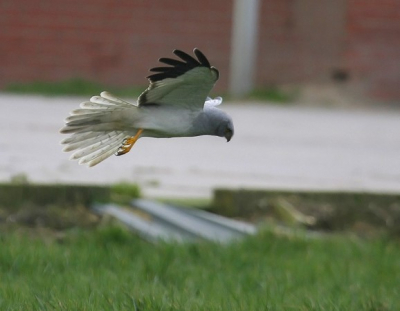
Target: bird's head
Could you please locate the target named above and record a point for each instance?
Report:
(224, 124)
(225, 129)
(214, 121)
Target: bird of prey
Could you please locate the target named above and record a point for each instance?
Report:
(176, 104)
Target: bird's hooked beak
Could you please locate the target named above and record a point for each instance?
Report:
(228, 134)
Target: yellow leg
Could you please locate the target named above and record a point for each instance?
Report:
(128, 143)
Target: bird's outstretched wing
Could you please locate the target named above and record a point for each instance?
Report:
(185, 83)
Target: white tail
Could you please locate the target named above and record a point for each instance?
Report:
(96, 132)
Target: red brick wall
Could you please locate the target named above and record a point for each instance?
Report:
(306, 41)
(116, 42)
(113, 42)
(373, 46)
(300, 40)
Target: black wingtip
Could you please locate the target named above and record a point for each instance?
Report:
(178, 67)
(201, 57)
(186, 57)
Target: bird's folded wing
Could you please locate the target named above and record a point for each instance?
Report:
(185, 83)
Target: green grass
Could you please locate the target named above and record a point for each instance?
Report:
(124, 192)
(271, 94)
(110, 269)
(71, 87)
(83, 87)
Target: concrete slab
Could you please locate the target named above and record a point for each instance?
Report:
(273, 147)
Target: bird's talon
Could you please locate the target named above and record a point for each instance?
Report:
(126, 146)
(128, 143)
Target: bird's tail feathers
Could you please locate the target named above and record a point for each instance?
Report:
(96, 135)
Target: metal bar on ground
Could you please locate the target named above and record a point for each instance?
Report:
(148, 229)
(188, 222)
(224, 221)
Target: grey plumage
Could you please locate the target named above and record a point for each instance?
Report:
(174, 105)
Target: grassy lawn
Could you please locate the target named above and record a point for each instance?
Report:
(71, 87)
(110, 269)
(84, 87)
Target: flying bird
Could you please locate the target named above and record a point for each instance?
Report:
(176, 104)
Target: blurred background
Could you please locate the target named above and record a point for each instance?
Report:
(306, 193)
(301, 79)
(345, 45)
(313, 88)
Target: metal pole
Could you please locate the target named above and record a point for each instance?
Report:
(244, 46)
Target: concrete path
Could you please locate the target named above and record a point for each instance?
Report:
(273, 147)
